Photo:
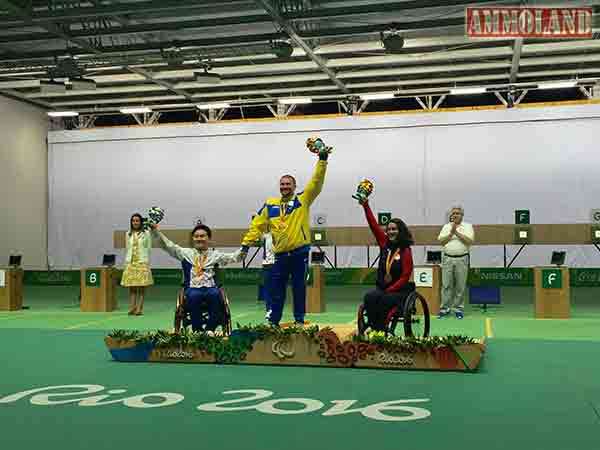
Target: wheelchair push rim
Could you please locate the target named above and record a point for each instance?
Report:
(416, 323)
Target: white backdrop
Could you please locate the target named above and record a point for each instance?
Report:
(491, 162)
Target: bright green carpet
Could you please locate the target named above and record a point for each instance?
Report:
(537, 388)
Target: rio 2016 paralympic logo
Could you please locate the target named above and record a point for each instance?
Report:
(253, 399)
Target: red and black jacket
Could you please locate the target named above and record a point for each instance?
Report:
(402, 266)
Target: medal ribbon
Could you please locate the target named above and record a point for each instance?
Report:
(389, 261)
(199, 263)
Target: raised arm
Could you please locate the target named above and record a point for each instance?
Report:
(170, 247)
(375, 228)
(407, 269)
(258, 227)
(315, 185)
(227, 258)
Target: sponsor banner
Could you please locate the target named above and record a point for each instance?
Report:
(518, 22)
(501, 277)
(52, 277)
(580, 277)
(584, 277)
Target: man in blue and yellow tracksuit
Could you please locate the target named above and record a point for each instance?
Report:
(288, 219)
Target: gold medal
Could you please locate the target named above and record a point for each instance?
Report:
(199, 263)
(387, 279)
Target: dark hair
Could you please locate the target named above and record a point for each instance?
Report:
(288, 176)
(131, 222)
(206, 228)
(405, 238)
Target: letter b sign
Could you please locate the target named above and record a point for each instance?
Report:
(92, 278)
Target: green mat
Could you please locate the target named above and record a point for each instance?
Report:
(537, 388)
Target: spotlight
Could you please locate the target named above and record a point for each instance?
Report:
(282, 49)
(393, 41)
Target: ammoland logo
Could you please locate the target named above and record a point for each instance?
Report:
(515, 22)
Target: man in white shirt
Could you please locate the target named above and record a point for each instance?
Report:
(456, 238)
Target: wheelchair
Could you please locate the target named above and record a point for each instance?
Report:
(183, 318)
(414, 325)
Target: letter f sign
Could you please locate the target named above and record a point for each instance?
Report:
(551, 279)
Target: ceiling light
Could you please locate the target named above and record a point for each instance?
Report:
(136, 110)
(557, 85)
(213, 105)
(468, 90)
(380, 96)
(295, 100)
(63, 113)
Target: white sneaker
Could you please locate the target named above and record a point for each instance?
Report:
(268, 315)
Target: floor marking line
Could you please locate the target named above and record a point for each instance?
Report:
(80, 325)
(488, 328)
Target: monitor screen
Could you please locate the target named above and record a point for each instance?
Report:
(14, 260)
(558, 258)
(108, 260)
(317, 257)
(434, 257)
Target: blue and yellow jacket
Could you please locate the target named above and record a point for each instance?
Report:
(288, 221)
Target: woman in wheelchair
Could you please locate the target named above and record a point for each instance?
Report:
(393, 273)
(201, 292)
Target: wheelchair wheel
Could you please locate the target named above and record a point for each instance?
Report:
(416, 325)
(361, 320)
(226, 325)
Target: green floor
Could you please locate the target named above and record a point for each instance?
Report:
(538, 388)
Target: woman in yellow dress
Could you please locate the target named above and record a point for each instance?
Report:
(137, 274)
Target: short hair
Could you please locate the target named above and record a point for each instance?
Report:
(288, 176)
(459, 207)
(206, 228)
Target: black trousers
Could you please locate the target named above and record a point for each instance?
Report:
(378, 304)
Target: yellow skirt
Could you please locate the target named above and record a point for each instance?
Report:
(137, 275)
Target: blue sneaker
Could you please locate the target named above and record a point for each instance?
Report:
(443, 313)
(459, 315)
